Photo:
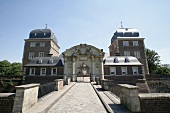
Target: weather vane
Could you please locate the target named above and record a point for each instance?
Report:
(121, 25)
(45, 26)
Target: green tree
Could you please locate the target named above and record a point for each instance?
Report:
(163, 70)
(15, 68)
(153, 60)
(7, 68)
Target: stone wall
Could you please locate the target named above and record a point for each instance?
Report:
(137, 80)
(40, 79)
(8, 83)
(155, 102)
(158, 83)
(6, 102)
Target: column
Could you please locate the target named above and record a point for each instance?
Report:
(74, 76)
(65, 70)
(102, 70)
(93, 69)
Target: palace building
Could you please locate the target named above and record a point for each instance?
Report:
(127, 56)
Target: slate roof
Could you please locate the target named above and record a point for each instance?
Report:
(42, 33)
(125, 32)
(45, 61)
(121, 60)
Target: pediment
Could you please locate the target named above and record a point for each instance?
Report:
(83, 50)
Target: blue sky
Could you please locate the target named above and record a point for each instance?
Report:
(83, 21)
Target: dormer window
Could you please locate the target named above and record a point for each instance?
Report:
(116, 60)
(127, 60)
(35, 34)
(44, 34)
(50, 61)
(39, 61)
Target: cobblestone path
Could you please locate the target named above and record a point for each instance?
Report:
(81, 98)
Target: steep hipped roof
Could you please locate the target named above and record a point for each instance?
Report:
(42, 33)
(121, 60)
(125, 32)
(45, 61)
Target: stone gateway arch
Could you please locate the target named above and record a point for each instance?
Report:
(83, 60)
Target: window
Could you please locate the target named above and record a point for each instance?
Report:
(125, 43)
(32, 44)
(54, 71)
(126, 53)
(135, 43)
(50, 61)
(137, 54)
(43, 71)
(42, 44)
(41, 54)
(135, 70)
(124, 70)
(32, 71)
(127, 60)
(39, 61)
(142, 69)
(116, 60)
(31, 55)
(112, 71)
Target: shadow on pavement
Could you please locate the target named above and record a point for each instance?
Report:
(118, 108)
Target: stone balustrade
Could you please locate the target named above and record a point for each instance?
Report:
(26, 97)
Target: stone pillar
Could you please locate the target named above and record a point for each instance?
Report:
(93, 69)
(130, 97)
(26, 97)
(65, 70)
(59, 84)
(102, 70)
(74, 75)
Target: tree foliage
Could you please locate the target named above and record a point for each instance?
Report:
(154, 63)
(7, 68)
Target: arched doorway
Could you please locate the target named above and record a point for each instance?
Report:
(83, 74)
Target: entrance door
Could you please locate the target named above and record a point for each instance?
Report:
(83, 74)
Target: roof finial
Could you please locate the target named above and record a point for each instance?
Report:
(121, 25)
(45, 26)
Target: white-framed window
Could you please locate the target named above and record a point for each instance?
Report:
(126, 53)
(112, 71)
(32, 44)
(43, 71)
(25, 69)
(137, 54)
(135, 70)
(41, 54)
(42, 44)
(125, 43)
(135, 43)
(124, 70)
(53, 71)
(31, 55)
(32, 71)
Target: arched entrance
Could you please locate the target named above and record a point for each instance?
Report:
(83, 74)
(82, 62)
